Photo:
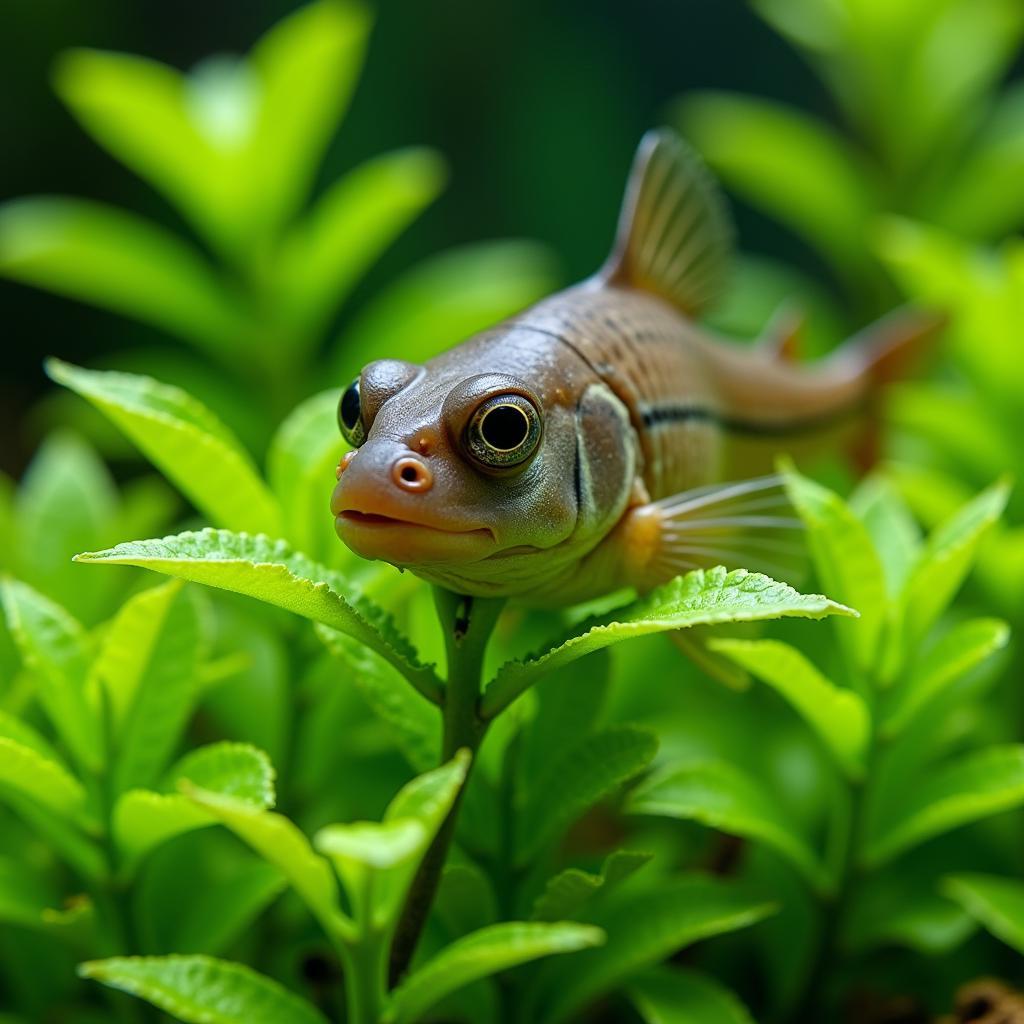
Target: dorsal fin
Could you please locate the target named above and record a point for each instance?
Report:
(674, 236)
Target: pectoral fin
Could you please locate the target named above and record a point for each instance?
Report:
(745, 525)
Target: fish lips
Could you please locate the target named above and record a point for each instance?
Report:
(402, 541)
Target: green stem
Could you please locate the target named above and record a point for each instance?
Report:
(836, 907)
(467, 623)
(365, 963)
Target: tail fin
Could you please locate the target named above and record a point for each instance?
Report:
(888, 349)
(883, 352)
(674, 236)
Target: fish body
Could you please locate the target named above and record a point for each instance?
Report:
(584, 444)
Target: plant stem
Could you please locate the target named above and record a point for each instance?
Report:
(467, 623)
(835, 909)
(365, 965)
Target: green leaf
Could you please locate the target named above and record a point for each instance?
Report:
(67, 502)
(585, 774)
(160, 124)
(354, 221)
(892, 528)
(55, 647)
(674, 996)
(306, 66)
(272, 572)
(998, 903)
(972, 787)
(235, 770)
(43, 781)
(126, 649)
(163, 693)
(414, 722)
(788, 164)
(724, 797)
(701, 597)
(945, 560)
(569, 705)
(839, 717)
(442, 301)
(143, 819)
(375, 862)
(903, 907)
(566, 894)
(120, 262)
(280, 843)
(203, 990)
(846, 563)
(300, 465)
(481, 954)
(995, 158)
(956, 652)
(184, 440)
(643, 929)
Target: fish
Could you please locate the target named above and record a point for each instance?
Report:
(602, 438)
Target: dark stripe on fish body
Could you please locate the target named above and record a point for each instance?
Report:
(658, 415)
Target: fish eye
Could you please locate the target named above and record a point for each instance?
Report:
(504, 431)
(350, 415)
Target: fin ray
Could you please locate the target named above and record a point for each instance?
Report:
(674, 235)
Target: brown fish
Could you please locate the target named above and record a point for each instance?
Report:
(581, 446)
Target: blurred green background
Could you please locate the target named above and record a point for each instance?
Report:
(536, 106)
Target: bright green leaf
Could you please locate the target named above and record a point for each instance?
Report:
(788, 164)
(280, 843)
(675, 996)
(41, 780)
(143, 819)
(272, 572)
(972, 787)
(414, 722)
(585, 774)
(839, 717)
(566, 894)
(891, 527)
(157, 122)
(955, 653)
(701, 597)
(120, 262)
(55, 647)
(998, 903)
(481, 954)
(300, 466)
(354, 221)
(163, 694)
(126, 649)
(643, 929)
(67, 501)
(846, 563)
(945, 561)
(184, 440)
(203, 990)
(307, 66)
(723, 797)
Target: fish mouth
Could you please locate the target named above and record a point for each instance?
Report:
(372, 519)
(411, 542)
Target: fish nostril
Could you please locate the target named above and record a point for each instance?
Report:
(411, 475)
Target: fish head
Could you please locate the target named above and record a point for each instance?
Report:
(481, 472)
